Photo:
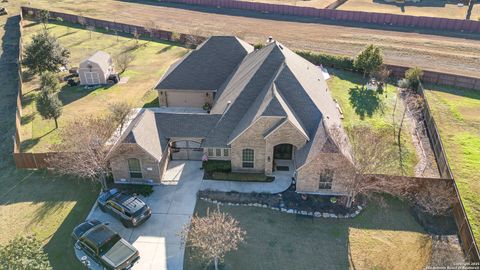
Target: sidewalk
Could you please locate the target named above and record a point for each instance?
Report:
(282, 182)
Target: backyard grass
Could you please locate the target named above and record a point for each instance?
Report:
(365, 107)
(457, 114)
(283, 241)
(152, 59)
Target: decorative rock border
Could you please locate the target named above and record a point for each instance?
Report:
(288, 210)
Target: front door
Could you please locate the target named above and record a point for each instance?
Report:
(283, 151)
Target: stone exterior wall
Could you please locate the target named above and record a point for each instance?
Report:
(205, 151)
(252, 138)
(151, 167)
(308, 176)
(287, 133)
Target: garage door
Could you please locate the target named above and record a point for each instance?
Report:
(92, 78)
(185, 99)
(186, 150)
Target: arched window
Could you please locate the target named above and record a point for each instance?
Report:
(134, 168)
(247, 158)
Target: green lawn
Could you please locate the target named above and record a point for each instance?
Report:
(152, 59)
(282, 241)
(366, 107)
(34, 202)
(457, 114)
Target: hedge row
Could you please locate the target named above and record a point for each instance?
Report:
(327, 60)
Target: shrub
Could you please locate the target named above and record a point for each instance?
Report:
(144, 190)
(414, 76)
(342, 62)
(218, 166)
(403, 83)
(24, 252)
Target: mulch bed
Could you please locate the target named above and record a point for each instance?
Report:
(288, 199)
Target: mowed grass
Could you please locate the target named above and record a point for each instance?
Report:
(277, 241)
(429, 8)
(364, 107)
(152, 59)
(47, 206)
(457, 114)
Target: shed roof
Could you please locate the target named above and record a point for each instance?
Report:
(101, 58)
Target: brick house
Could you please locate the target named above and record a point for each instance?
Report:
(263, 110)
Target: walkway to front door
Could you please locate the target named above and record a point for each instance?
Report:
(283, 151)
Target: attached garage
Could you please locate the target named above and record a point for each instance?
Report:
(186, 150)
(194, 99)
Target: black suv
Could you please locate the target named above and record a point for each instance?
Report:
(130, 210)
(104, 246)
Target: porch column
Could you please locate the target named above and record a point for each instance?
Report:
(268, 158)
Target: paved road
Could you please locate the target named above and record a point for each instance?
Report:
(172, 206)
(413, 48)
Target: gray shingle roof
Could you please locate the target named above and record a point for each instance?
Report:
(269, 82)
(207, 67)
(101, 58)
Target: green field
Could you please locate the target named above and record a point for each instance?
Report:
(383, 236)
(152, 59)
(366, 107)
(457, 114)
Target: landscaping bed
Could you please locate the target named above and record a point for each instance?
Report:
(222, 170)
(289, 201)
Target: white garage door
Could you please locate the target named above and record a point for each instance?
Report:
(92, 78)
(186, 99)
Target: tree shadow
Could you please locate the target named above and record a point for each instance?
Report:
(166, 49)
(365, 101)
(27, 119)
(28, 144)
(69, 94)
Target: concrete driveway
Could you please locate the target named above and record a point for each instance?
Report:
(172, 206)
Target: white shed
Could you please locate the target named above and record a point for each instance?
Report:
(96, 69)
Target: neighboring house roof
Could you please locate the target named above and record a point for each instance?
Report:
(101, 58)
(269, 82)
(207, 67)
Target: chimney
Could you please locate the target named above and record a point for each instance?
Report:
(270, 39)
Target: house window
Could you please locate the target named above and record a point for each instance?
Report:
(247, 158)
(218, 152)
(326, 179)
(225, 152)
(134, 168)
(210, 152)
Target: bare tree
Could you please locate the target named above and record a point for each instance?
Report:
(123, 61)
(373, 158)
(136, 36)
(150, 27)
(370, 153)
(213, 235)
(90, 30)
(120, 112)
(382, 75)
(82, 21)
(83, 148)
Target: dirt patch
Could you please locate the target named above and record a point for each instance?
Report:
(438, 225)
(420, 48)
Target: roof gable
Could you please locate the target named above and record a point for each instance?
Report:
(207, 67)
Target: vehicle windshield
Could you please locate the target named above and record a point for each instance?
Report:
(139, 211)
(109, 243)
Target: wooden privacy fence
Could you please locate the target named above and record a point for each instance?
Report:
(186, 39)
(344, 15)
(440, 78)
(465, 233)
